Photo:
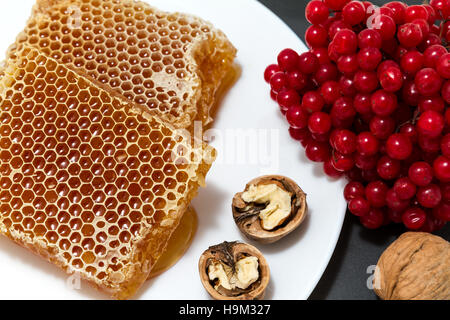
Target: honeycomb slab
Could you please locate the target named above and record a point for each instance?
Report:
(169, 62)
(88, 181)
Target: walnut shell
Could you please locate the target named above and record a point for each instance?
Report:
(229, 253)
(414, 267)
(248, 221)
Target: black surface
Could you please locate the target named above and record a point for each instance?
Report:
(358, 248)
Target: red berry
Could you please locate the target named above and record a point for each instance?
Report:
(287, 98)
(432, 55)
(420, 173)
(373, 220)
(365, 81)
(288, 60)
(429, 196)
(316, 12)
(367, 144)
(296, 117)
(354, 13)
(317, 151)
(319, 123)
(391, 79)
(345, 41)
(411, 62)
(344, 141)
(416, 12)
(366, 162)
(405, 188)
(362, 104)
(369, 58)
(270, 71)
(296, 80)
(410, 93)
(399, 146)
(443, 66)
(398, 8)
(428, 82)
(278, 81)
(348, 64)
(382, 127)
(316, 37)
(384, 24)
(312, 102)
(330, 171)
(308, 63)
(326, 72)
(330, 91)
(342, 162)
(383, 103)
(394, 202)
(414, 218)
(409, 35)
(388, 168)
(430, 124)
(441, 168)
(342, 109)
(369, 38)
(359, 206)
(302, 135)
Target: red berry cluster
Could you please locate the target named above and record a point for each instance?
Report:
(370, 101)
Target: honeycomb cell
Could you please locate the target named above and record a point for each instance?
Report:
(80, 180)
(136, 40)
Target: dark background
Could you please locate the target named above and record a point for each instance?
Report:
(358, 248)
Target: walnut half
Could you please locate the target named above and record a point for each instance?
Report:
(269, 208)
(234, 271)
(416, 266)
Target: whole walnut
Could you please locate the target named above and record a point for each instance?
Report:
(414, 267)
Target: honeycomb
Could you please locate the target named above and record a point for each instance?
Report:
(171, 63)
(91, 182)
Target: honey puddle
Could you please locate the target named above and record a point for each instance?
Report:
(178, 243)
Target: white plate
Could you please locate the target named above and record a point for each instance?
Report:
(298, 261)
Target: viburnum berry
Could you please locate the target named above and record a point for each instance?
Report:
(369, 38)
(383, 103)
(308, 63)
(319, 123)
(365, 81)
(428, 82)
(430, 123)
(432, 54)
(354, 13)
(415, 12)
(388, 168)
(359, 206)
(441, 168)
(270, 71)
(384, 24)
(429, 196)
(316, 12)
(296, 80)
(373, 220)
(296, 117)
(399, 146)
(443, 66)
(344, 141)
(278, 81)
(420, 173)
(345, 41)
(398, 8)
(287, 98)
(330, 91)
(445, 92)
(369, 58)
(330, 171)
(288, 59)
(405, 188)
(414, 218)
(411, 62)
(391, 79)
(316, 36)
(409, 35)
(312, 101)
(317, 151)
